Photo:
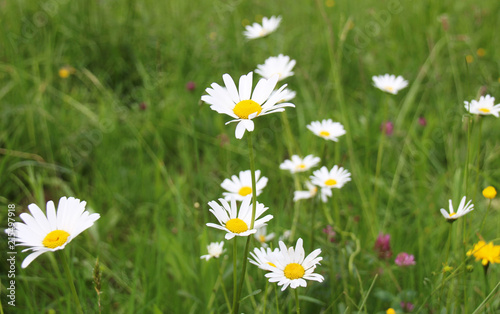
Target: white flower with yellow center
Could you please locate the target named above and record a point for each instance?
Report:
(241, 186)
(52, 232)
(389, 83)
(311, 192)
(280, 65)
(215, 249)
(242, 104)
(268, 26)
(297, 164)
(262, 236)
(237, 223)
(485, 106)
(462, 210)
(290, 267)
(327, 129)
(286, 95)
(261, 257)
(335, 178)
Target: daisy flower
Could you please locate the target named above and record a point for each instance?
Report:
(242, 104)
(461, 210)
(268, 26)
(281, 65)
(215, 249)
(303, 195)
(389, 83)
(234, 222)
(53, 232)
(261, 257)
(327, 129)
(297, 164)
(485, 106)
(487, 253)
(287, 95)
(241, 185)
(290, 267)
(335, 178)
(262, 236)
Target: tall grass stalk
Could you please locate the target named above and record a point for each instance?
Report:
(71, 283)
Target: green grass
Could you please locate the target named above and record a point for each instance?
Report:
(150, 173)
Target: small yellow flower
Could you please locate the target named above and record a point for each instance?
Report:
(212, 35)
(488, 253)
(481, 52)
(469, 59)
(447, 268)
(66, 71)
(490, 192)
(390, 311)
(259, 18)
(245, 22)
(329, 3)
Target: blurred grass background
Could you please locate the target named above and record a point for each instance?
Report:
(125, 134)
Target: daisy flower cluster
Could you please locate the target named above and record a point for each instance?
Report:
(238, 213)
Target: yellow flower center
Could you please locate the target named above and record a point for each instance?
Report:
(324, 133)
(236, 225)
(244, 191)
(452, 214)
(301, 166)
(330, 182)
(55, 239)
(271, 264)
(485, 110)
(294, 271)
(246, 107)
(262, 239)
(389, 88)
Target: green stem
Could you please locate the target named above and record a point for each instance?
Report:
(276, 300)
(484, 218)
(313, 217)
(478, 162)
(235, 278)
(71, 283)
(296, 209)
(265, 298)
(379, 156)
(486, 283)
(464, 230)
(254, 184)
(236, 302)
(297, 303)
(466, 170)
(448, 244)
(219, 282)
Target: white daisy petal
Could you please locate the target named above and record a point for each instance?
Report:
(242, 185)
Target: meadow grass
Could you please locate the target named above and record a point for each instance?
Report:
(151, 171)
